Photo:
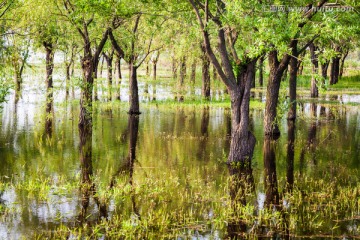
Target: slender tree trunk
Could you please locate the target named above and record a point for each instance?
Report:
(119, 78)
(109, 62)
(95, 83)
(261, 71)
(342, 63)
(174, 68)
(193, 72)
(292, 87)
(155, 61)
(205, 90)
(315, 66)
(67, 83)
(182, 78)
(133, 89)
(102, 66)
(49, 86)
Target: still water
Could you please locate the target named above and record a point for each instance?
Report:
(163, 158)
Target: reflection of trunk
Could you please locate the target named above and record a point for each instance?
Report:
(49, 86)
(290, 156)
(270, 177)
(182, 78)
(87, 186)
(341, 71)
(128, 165)
(310, 146)
(272, 95)
(241, 182)
(204, 133)
(205, 90)
(315, 66)
(261, 71)
(133, 89)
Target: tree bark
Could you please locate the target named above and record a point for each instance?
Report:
(182, 77)
(49, 86)
(133, 89)
(292, 87)
(109, 62)
(261, 71)
(272, 95)
(342, 63)
(242, 140)
(334, 71)
(205, 90)
(119, 78)
(314, 91)
(193, 72)
(324, 70)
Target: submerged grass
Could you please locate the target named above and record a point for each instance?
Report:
(162, 206)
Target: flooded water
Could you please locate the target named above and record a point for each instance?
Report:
(153, 164)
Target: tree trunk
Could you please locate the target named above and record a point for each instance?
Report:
(109, 62)
(49, 86)
(334, 72)
(242, 140)
(17, 79)
(205, 90)
(95, 84)
(193, 72)
(155, 61)
(324, 69)
(261, 71)
(87, 65)
(133, 89)
(314, 92)
(292, 87)
(119, 78)
(272, 95)
(174, 68)
(182, 78)
(215, 74)
(342, 63)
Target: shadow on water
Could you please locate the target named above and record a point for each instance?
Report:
(205, 118)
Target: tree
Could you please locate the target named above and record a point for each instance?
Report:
(136, 46)
(236, 72)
